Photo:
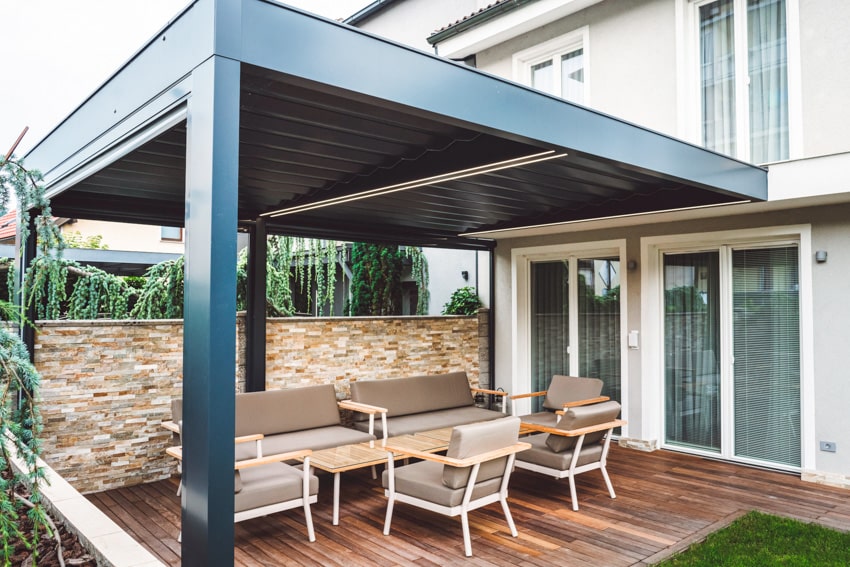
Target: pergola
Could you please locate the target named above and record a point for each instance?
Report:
(247, 114)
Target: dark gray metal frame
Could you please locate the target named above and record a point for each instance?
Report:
(241, 107)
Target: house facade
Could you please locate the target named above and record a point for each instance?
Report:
(722, 330)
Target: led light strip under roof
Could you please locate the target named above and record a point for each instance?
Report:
(451, 176)
(487, 233)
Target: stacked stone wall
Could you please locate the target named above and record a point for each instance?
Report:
(107, 386)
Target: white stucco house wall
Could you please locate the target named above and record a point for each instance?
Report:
(728, 332)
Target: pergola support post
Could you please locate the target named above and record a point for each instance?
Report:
(255, 312)
(209, 348)
(28, 250)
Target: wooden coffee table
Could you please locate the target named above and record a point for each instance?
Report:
(338, 460)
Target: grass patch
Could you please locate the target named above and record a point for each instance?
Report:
(761, 539)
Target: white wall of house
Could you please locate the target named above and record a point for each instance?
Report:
(640, 66)
(131, 237)
(412, 21)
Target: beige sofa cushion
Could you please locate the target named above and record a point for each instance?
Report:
(564, 389)
(416, 394)
(583, 416)
(423, 480)
(281, 411)
(475, 439)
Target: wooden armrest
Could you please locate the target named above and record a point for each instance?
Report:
(531, 395)
(176, 452)
(577, 403)
(486, 391)
(575, 432)
(362, 408)
(171, 426)
(280, 457)
(468, 462)
(249, 438)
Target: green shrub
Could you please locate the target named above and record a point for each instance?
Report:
(464, 301)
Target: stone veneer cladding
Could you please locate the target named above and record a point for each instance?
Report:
(107, 385)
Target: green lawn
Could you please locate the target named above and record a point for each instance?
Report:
(760, 539)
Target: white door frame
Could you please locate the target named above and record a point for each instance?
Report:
(652, 302)
(521, 259)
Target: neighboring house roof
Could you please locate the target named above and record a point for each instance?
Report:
(8, 226)
(367, 12)
(486, 13)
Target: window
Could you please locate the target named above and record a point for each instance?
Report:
(171, 233)
(742, 55)
(556, 67)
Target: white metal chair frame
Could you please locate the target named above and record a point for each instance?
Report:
(574, 469)
(468, 503)
(304, 501)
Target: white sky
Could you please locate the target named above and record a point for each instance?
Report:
(58, 52)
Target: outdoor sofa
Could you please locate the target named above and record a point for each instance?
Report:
(418, 403)
(291, 420)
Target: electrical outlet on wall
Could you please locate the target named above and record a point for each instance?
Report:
(828, 446)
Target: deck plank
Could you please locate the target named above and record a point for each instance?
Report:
(663, 499)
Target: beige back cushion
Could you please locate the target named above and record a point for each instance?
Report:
(583, 416)
(417, 394)
(565, 389)
(281, 411)
(474, 439)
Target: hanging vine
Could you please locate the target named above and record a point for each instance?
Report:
(419, 272)
(20, 418)
(162, 295)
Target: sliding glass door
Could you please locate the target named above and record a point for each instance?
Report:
(732, 353)
(575, 321)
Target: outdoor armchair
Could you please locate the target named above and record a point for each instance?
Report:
(563, 393)
(474, 472)
(266, 484)
(578, 443)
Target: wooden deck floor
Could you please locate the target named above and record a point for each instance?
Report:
(664, 501)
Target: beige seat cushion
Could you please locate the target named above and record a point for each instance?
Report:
(424, 480)
(417, 422)
(270, 484)
(540, 454)
(315, 439)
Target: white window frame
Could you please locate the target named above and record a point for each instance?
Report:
(688, 82)
(521, 260)
(524, 60)
(652, 323)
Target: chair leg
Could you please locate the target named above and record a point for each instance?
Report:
(608, 482)
(508, 517)
(308, 516)
(467, 544)
(389, 519)
(573, 495)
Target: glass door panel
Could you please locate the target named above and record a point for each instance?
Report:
(692, 349)
(599, 322)
(586, 315)
(766, 347)
(550, 324)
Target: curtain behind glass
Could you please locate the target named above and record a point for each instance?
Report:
(572, 76)
(543, 76)
(692, 349)
(717, 76)
(599, 323)
(766, 346)
(550, 337)
(768, 66)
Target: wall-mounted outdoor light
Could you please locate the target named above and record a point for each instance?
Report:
(820, 256)
(465, 275)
